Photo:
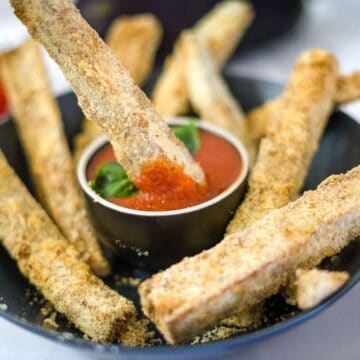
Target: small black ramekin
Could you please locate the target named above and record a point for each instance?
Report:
(157, 239)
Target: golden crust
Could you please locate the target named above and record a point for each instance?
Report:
(258, 118)
(135, 40)
(314, 286)
(292, 138)
(209, 95)
(219, 31)
(105, 91)
(38, 122)
(348, 88)
(44, 256)
(248, 266)
(169, 95)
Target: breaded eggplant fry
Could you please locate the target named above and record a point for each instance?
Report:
(348, 88)
(169, 95)
(249, 266)
(135, 40)
(208, 93)
(39, 125)
(314, 286)
(220, 32)
(221, 29)
(295, 122)
(53, 266)
(259, 117)
(105, 91)
(292, 138)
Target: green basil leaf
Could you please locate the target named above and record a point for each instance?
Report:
(111, 180)
(189, 134)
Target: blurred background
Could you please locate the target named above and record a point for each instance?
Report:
(281, 31)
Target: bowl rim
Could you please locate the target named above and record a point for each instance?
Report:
(96, 144)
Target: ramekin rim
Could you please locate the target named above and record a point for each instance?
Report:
(96, 144)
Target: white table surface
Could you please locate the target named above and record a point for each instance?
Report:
(332, 335)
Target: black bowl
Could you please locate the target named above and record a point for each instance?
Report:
(157, 239)
(338, 152)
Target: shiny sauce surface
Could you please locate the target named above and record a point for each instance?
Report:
(173, 190)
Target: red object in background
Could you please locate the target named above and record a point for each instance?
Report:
(3, 106)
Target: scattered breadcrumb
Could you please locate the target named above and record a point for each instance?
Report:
(129, 281)
(240, 322)
(47, 309)
(50, 322)
(246, 317)
(137, 334)
(217, 333)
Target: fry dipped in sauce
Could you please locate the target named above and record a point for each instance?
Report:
(172, 189)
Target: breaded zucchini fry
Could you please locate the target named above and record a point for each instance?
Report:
(314, 286)
(135, 40)
(248, 266)
(348, 88)
(106, 92)
(39, 125)
(208, 93)
(220, 32)
(44, 256)
(292, 138)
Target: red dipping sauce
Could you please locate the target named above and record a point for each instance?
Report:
(219, 159)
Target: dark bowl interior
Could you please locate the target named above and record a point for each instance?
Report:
(339, 151)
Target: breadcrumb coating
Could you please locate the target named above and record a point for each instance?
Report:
(209, 94)
(219, 31)
(53, 266)
(134, 41)
(39, 125)
(292, 138)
